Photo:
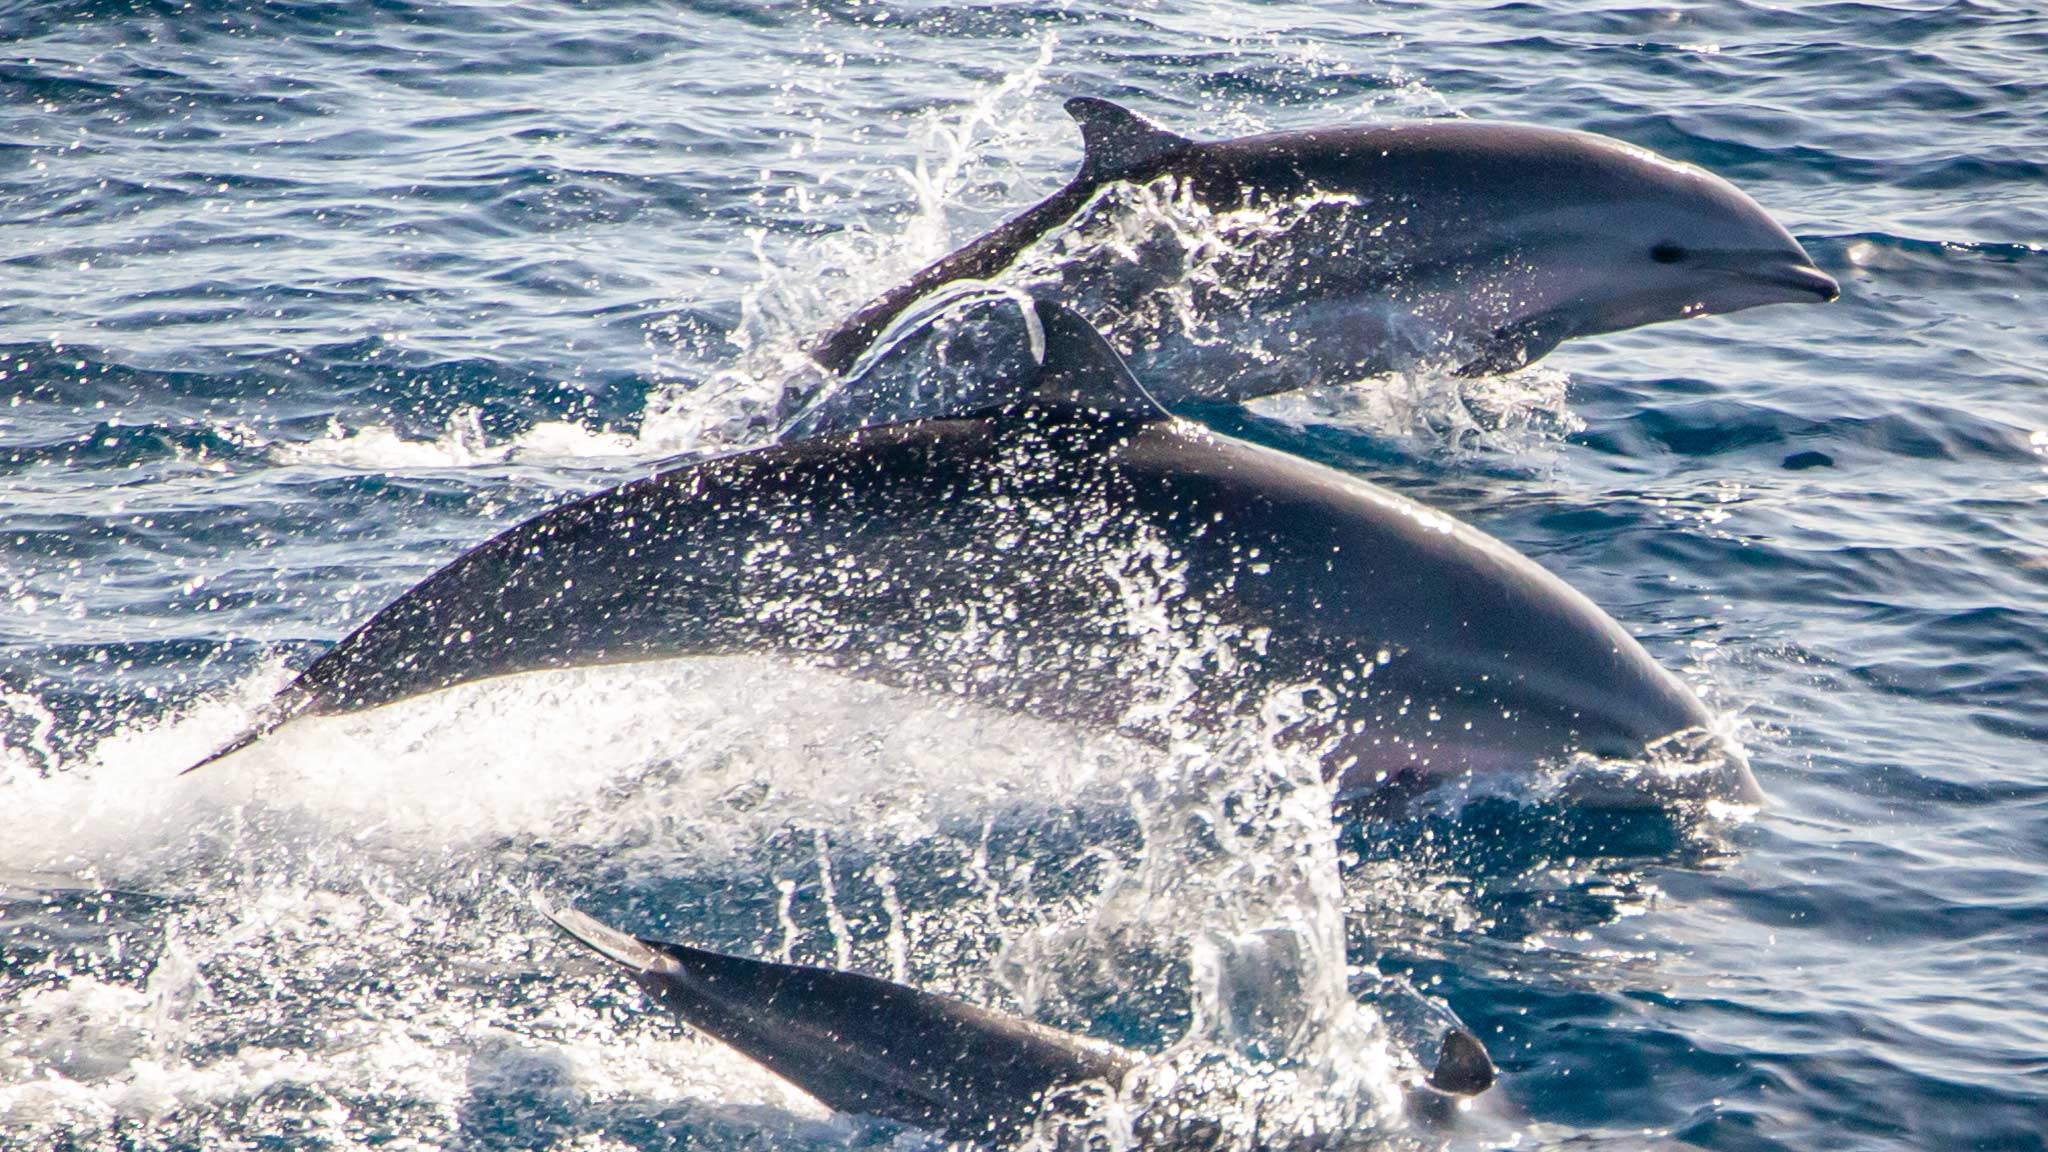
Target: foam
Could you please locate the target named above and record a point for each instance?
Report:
(462, 444)
(343, 952)
(358, 883)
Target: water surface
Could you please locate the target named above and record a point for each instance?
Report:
(303, 299)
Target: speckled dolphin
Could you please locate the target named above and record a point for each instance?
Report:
(1070, 551)
(873, 1048)
(1324, 256)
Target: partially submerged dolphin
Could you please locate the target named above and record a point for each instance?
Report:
(873, 1048)
(1266, 263)
(1069, 551)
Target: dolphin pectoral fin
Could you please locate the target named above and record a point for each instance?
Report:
(1079, 369)
(1512, 347)
(1464, 1068)
(863, 1045)
(1496, 361)
(1117, 142)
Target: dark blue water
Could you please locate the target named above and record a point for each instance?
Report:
(301, 299)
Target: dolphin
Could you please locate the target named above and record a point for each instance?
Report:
(1070, 551)
(874, 1048)
(1230, 269)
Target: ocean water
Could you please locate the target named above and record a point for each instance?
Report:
(302, 299)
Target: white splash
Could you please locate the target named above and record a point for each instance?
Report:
(461, 444)
(1525, 415)
(353, 888)
(964, 166)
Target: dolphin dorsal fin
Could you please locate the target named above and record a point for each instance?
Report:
(1078, 368)
(1464, 1068)
(1116, 141)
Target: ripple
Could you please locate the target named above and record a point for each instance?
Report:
(302, 299)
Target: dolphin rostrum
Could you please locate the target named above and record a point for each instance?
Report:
(1236, 268)
(1073, 552)
(873, 1048)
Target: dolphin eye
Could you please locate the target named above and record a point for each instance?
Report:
(1667, 253)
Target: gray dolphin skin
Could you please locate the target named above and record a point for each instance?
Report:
(1073, 553)
(873, 1048)
(863, 1045)
(1325, 256)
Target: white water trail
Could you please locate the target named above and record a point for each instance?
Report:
(316, 929)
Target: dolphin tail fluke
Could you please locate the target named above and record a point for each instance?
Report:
(859, 1044)
(839, 350)
(1116, 144)
(272, 716)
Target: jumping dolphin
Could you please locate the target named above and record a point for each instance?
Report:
(1072, 552)
(873, 1048)
(1325, 256)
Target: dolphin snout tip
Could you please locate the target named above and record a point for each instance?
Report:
(1804, 282)
(1722, 765)
(1824, 285)
(1741, 783)
(1702, 763)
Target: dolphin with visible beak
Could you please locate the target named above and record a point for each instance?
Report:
(1068, 551)
(1231, 269)
(873, 1048)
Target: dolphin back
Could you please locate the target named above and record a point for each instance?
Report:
(827, 550)
(1059, 552)
(863, 1045)
(867, 1046)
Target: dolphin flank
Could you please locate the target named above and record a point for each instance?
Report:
(1071, 552)
(1328, 255)
(870, 1047)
